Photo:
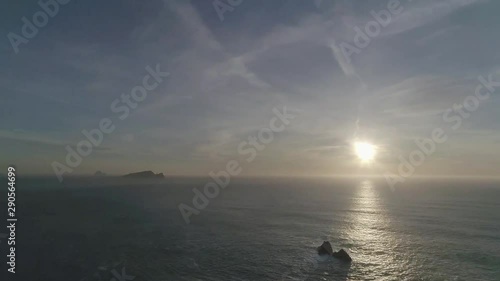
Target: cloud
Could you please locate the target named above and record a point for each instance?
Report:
(426, 12)
(227, 76)
(194, 25)
(30, 137)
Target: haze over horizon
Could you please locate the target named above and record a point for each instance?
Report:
(228, 74)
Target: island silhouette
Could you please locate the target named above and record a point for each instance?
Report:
(134, 175)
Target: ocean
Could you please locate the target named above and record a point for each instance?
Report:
(256, 229)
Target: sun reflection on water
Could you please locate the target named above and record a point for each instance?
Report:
(372, 241)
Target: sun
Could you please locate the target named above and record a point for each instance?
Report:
(365, 151)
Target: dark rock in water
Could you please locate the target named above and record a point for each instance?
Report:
(99, 174)
(342, 255)
(144, 175)
(326, 249)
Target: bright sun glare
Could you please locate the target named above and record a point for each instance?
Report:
(365, 151)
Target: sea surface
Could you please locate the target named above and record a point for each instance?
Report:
(256, 229)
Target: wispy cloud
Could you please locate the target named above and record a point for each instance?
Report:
(226, 77)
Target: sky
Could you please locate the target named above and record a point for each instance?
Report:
(231, 65)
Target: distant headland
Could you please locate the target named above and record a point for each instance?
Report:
(144, 175)
(136, 175)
